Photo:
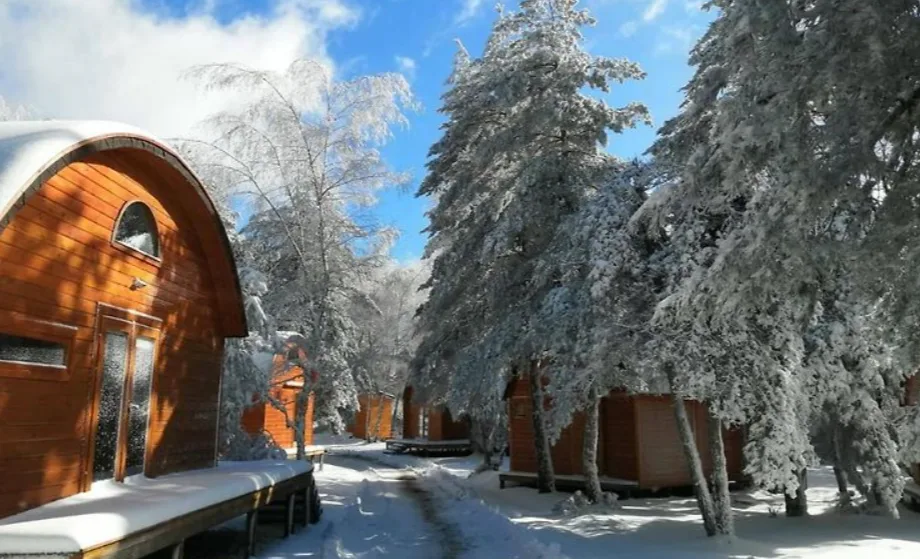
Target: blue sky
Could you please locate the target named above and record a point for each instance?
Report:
(131, 72)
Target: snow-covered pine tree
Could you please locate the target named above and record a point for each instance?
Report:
(301, 157)
(594, 299)
(800, 140)
(521, 150)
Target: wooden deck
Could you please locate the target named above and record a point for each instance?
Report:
(47, 534)
(424, 447)
(529, 479)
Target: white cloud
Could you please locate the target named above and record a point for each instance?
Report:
(406, 65)
(654, 9)
(468, 10)
(629, 28)
(677, 40)
(109, 59)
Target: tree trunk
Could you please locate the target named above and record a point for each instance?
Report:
(396, 402)
(840, 474)
(546, 480)
(300, 416)
(797, 505)
(367, 419)
(379, 418)
(589, 456)
(691, 452)
(725, 521)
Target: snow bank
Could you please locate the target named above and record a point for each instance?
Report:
(519, 522)
(111, 510)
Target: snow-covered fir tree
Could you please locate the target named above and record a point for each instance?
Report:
(595, 299)
(795, 147)
(521, 151)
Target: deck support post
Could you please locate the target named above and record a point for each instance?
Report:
(178, 551)
(289, 514)
(252, 519)
(305, 519)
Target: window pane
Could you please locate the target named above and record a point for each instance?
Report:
(137, 229)
(139, 409)
(114, 361)
(30, 350)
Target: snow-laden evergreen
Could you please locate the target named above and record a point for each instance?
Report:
(795, 151)
(520, 153)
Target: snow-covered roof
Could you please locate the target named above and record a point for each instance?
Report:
(112, 511)
(32, 151)
(27, 148)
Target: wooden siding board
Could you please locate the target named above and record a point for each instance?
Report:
(63, 265)
(369, 411)
(618, 442)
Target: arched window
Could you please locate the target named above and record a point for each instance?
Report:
(137, 229)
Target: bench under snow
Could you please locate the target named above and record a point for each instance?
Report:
(166, 509)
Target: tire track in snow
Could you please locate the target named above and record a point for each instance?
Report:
(450, 540)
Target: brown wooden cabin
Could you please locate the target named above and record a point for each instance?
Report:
(288, 381)
(638, 440)
(431, 422)
(374, 418)
(117, 290)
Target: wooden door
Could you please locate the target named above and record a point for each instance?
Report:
(127, 358)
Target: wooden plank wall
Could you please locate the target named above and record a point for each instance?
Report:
(410, 415)
(369, 409)
(638, 440)
(450, 428)
(567, 452)
(618, 443)
(662, 461)
(58, 263)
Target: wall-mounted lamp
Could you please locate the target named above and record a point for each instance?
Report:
(138, 283)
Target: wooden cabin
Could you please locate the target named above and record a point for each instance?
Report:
(117, 291)
(288, 382)
(374, 418)
(433, 423)
(638, 441)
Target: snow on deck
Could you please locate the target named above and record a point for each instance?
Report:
(111, 510)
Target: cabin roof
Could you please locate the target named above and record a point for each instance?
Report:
(28, 147)
(32, 151)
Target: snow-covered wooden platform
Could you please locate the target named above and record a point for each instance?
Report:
(143, 515)
(568, 481)
(424, 447)
(314, 453)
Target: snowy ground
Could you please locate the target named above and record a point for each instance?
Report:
(381, 505)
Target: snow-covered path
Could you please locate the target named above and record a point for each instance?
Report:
(369, 511)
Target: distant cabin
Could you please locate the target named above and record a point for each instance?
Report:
(287, 383)
(374, 418)
(117, 291)
(638, 440)
(433, 423)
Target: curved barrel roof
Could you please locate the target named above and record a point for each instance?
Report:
(33, 151)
